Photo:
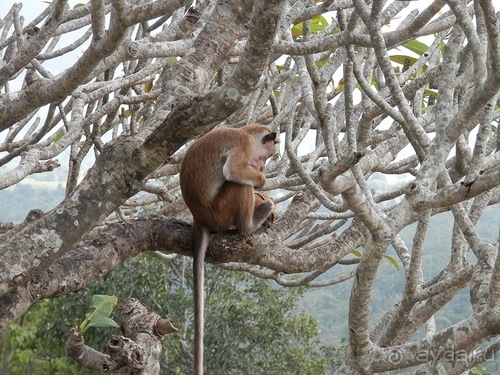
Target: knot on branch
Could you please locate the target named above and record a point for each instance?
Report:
(133, 49)
(31, 77)
(192, 16)
(417, 195)
(124, 350)
(46, 166)
(164, 327)
(412, 189)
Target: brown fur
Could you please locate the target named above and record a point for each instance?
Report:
(217, 177)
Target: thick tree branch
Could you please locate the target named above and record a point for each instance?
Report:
(124, 240)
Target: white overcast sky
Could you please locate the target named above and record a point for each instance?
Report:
(31, 8)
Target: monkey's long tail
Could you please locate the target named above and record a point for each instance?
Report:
(202, 237)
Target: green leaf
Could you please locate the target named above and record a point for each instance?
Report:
(389, 258)
(416, 46)
(320, 63)
(297, 30)
(79, 5)
(428, 92)
(401, 59)
(102, 321)
(356, 252)
(148, 86)
(103, 304)
(102, 307)
(392, 261)
(318, 23)
(58, 137)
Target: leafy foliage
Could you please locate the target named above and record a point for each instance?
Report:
(252, 326)
(28, 353)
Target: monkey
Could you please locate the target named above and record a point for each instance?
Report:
(217, 178)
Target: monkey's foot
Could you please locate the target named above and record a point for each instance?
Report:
(263, 199)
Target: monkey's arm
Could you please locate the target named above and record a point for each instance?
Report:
(238, 168)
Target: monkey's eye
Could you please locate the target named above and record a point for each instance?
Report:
(269, 137)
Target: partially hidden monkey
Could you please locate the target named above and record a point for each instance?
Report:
(217, 178)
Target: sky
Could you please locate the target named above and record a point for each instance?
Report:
(30, 9)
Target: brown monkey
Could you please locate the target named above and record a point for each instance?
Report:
(217, 177)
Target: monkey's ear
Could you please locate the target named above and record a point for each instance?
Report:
(269, 137)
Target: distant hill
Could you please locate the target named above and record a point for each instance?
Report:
(42, 190)
(329, 305)
(16, 202)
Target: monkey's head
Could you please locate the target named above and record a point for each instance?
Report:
(265, 140)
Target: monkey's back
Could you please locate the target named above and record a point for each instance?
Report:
(202, 176)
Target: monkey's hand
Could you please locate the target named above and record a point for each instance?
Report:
(259, 199)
